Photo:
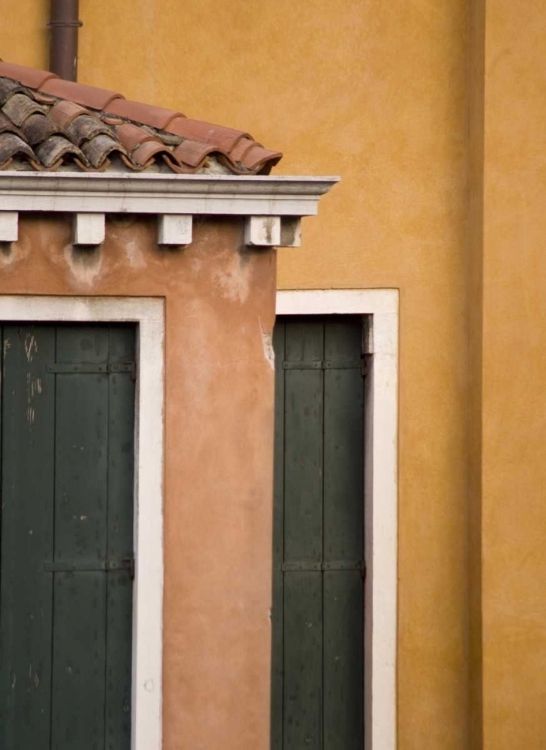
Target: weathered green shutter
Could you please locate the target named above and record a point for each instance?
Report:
(318, 606)
(67, 540)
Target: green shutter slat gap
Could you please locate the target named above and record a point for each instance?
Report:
(67, 468)
(318, 544)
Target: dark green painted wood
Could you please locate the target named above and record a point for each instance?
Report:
(318, 616)
(343, 660)
(120, 542)
(303, 444)
(302, 725)
(78, 438)
(82, 344)
(78, 661)
(81, 495)
(343, 445)
(27, 501)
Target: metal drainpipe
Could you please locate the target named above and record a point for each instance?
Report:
(63, 50)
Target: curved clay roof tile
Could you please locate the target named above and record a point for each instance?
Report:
(149, 150)
(11, 145)
(64, 112)
(89, 96)
(85, 127)
(37, 128)
(157, 117)
(54, 150)
(194, 153)
(65, 120)
(20, 106)
(8, 88)
(31, 77)
(98, 149)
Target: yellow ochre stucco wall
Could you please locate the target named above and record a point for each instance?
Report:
(433, 113)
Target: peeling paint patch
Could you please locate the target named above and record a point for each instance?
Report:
(267, 344)
(31, 347)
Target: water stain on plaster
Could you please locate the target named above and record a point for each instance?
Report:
(12, 253)
(85, 263)
(232, 280)
(134, 254)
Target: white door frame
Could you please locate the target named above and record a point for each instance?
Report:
(148, 314)
(381, 491)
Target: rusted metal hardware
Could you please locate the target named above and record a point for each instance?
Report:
(63, 51)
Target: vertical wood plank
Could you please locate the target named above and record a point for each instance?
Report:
(27, 504)
(81, 448)
(343, 445)
(303, 419)
(343, 538)
(78, 661)
(303, 661)
(120, 541)
(278, 547)
(303, 444)
(343, 660)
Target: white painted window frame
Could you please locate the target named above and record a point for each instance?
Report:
(381, 491)
(148, 314)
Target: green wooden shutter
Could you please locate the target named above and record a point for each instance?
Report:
(66, 537)
(318, 545)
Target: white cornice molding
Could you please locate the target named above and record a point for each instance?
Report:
(111, 192)
(255, 198)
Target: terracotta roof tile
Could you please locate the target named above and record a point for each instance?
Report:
(98, 149)
(49, 123)
(64, 112)
(156, 117)
(19, 108)
(217, 135)
(12, 145)
(257, 156)
(37, 128)
(27, 76)
(54, 150)
(193, 153)
(89, 96)
(8, 88)
(7, 126)
(146, 151)
(131, 136)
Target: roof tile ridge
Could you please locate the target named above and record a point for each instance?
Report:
(80, 93)
(144, 114)
(32, 78)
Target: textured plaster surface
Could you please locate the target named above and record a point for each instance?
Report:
(377, 93)
(388, 96)
(514, 352)
(218, 453)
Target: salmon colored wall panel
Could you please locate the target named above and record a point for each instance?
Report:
(218, 453)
